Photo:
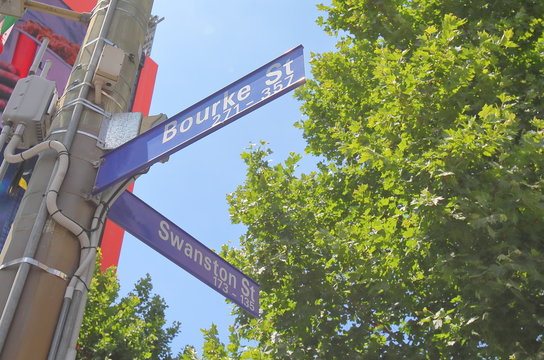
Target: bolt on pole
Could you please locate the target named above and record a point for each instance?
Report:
(58, 230)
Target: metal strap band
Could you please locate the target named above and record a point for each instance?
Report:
(75, 87)
(107, 41)
(85, 103)
(36, 263)
(79, 132)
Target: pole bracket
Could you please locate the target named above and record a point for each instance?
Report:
(36, 263)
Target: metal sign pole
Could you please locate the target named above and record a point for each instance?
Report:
(48, 235)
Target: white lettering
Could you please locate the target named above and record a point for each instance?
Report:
(186, 124)
(245, 287)
(176, 241)
(215, 265)
(214, 107)
(232, 280)
(207, 263)
(227, 100)
(252, 293)
(223, 278)
(198, 256)
(223, 274)
(189, 250)
(169, 131)
(276, 74)
(199, 119)
(287, 67)
(243, 93)
(163, 231)
(216, 120)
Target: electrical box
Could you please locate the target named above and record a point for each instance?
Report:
(109, 66)
(32, 103)
(14, 8)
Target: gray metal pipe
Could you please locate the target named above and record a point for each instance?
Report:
(3, 137)
(100, 217)
(54, 184)
(46, 68)
(30, 250)
(3, 169)
(59, 346)
(22, 271)
(39, 56)
(4, 134)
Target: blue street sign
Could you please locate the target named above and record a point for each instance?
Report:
(146, 224)
(223, 107)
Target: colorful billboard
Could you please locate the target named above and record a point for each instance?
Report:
(20, 40)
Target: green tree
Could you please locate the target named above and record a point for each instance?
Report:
(131, 327)
(420, 234)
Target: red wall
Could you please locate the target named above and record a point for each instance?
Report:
(112, 240)
(80, 5)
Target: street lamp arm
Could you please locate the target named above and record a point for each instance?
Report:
(54, 10)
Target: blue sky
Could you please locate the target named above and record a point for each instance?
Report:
(200, 47)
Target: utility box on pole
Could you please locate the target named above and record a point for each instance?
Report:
(14, 8)
(48, 258)
(32, 103)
